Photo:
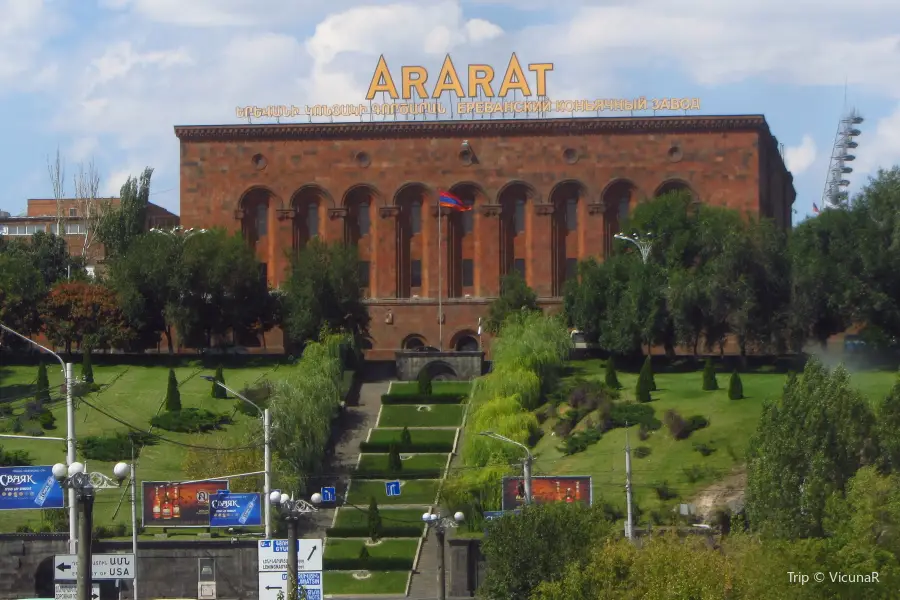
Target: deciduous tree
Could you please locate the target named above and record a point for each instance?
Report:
(21, 291)
(515, 296)
(121, 225)
(85, 313)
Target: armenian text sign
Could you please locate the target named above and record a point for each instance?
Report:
(546, 489)
(29, 488)
(168, 504)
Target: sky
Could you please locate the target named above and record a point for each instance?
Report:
(106, 80)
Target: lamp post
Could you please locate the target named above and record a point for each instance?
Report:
(292, 510)
(526, 466)
(440, 525)
(76, 478)
(267, 442)
(644, 243)
(68, 369)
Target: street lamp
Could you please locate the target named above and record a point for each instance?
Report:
(178, 230)
(68, 369)
(644, 242)
(440, 526)
(267, 442)
(82, 484)
(526, 466)
(292, 510)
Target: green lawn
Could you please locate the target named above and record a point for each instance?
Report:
(390, 517)
(411, 388)
(342, 548)
(415, 462)
(419, 436)
(732, 423)
(383, 582)
(419, 491)
(431, 415)
(133, 396)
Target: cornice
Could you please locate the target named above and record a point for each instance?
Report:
(469, 129)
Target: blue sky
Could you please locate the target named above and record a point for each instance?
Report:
(105, 80)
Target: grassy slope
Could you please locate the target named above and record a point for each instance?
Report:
(134, 397)
(731, 425)
(436, 415)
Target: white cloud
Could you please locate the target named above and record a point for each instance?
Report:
(799, 158)
(879, 146)
(24, 27)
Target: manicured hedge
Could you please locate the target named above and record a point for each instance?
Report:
(420, 447)
(404, 474)
(391, 531)
(369, 564)
(420, 399)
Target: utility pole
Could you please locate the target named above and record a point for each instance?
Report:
(629, 533)
(134, 530)
(83, 585)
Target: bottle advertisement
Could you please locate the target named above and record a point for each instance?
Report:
(24, 488)
(171, 504)
(235, 510)
(547, 488)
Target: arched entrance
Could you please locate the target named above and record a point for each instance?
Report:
(617, 199)
(566, 198)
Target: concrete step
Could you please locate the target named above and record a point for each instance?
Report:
(424, 582)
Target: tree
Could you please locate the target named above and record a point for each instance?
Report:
(49, 254)
(217, 390)
(87, 370)
(56, 169)
(710, 383)
(515, 296)
(90, 207)
(888, 425)
(21, 292)
(42, 386)
(173, 394)
(395, 464)
(647, 374)
(85, 313)
(807, 446)
(424, 382)
(610, 376)
(405, 437)
(364, 555)
(324, 290)
(122, 225)
(642, 389)
(735, 387)
(374, 520)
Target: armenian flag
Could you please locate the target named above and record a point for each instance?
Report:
(448, 200)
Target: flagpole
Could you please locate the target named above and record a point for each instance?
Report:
(440, 283)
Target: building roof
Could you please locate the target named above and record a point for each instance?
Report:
(473, 128)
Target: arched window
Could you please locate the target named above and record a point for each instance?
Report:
(262, 219)
(415, 217)
(572, 214)
(312, 219)
(519, 216)
(363, 217)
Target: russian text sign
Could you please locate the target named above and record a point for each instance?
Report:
(234, 510)
(29, 488)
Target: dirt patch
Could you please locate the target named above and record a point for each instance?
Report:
(729, 491)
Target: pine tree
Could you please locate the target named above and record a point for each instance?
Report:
(647, 375)
(642, 389)
(87, 369)
(424, 381)
(42, 391)
(394, 462)
(612, 379)
(364, 555)
(173, 395)
(374, 520)
(735, 387)
(710, 383)
(405, 437)
(217, 390)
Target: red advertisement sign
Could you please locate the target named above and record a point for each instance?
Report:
(544, 489)
(168, 504)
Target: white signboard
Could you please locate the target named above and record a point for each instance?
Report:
(68, 591)
(270, 583)
(273, 555)
(105, 566)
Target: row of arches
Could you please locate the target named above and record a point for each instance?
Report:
(462, 341)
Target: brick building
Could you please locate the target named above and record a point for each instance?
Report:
(67, 218)
(546, 193)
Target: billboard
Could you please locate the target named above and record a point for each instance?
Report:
(234, 510)
(550, 488)
(29, 488)
(169, 504)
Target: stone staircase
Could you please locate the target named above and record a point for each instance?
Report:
(424, 582)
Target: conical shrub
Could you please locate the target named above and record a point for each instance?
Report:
(173, 395)
(424, 381)
(735, 387)
(610, 377)
(405, 437)
(647, 374)
(87, 369)
(42, 390)
(710, 383)
(217, 390)
(374, 520)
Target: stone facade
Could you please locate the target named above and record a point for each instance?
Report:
(450, 366)
(545, 194)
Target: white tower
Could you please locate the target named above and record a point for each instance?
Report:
(835, 194)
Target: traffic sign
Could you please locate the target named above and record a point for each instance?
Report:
(104, 566)
(69, 591)
(271, 582)
(272, 555)
(392, 488)
(328, 494)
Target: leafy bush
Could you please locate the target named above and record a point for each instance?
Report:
(610, 377)
(5, 410)
(109, 531)
(697, 422)
(735, 387)
(173, 395)
(580, 440)
(642, 452)
(566, 424)
(46, 419)
(643, 433)
(676, 425)
(710, 383)
(592, 396)
(87, 369)
(694, 473)
(190, 420)
(629, 414)
(115, 447)
(664, 492)
(14, 458)
(424, 382)
(420, 399)
(704, 449)
(258, 394)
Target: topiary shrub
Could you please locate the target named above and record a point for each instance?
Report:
(42, 389)
(374, 520)
(424, 382)
(735, 387)
(87, 369)
(610, 377)
(642, 389)
(395, 465)
(217, 390)
(364, 555)
(647, 373)
(710, 383)
(190, 420)
(405, 438)
(173, 395)
(46, 419)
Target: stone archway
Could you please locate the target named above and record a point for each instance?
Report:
(618, 198)
(465, 341)
(513, 199)
(441, 371)
(310, 204)
(567, 198)
(413, 342)
(411, 198)
(671, 186)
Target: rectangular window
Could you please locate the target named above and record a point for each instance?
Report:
(73, 212)
(24, 229)
(571, 268)
(415, 273)
(75, 229)
(572, 214)
(364, 273)
(519, 217)
(262, 220)
(468, 272)
(312, 220)
(519, 266)
(363, 220)
(468, 221)
(415, 218)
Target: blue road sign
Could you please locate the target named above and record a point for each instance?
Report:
(328, 494)
(234, 510)
(490, 515)
(29, 487)
(392, 488)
